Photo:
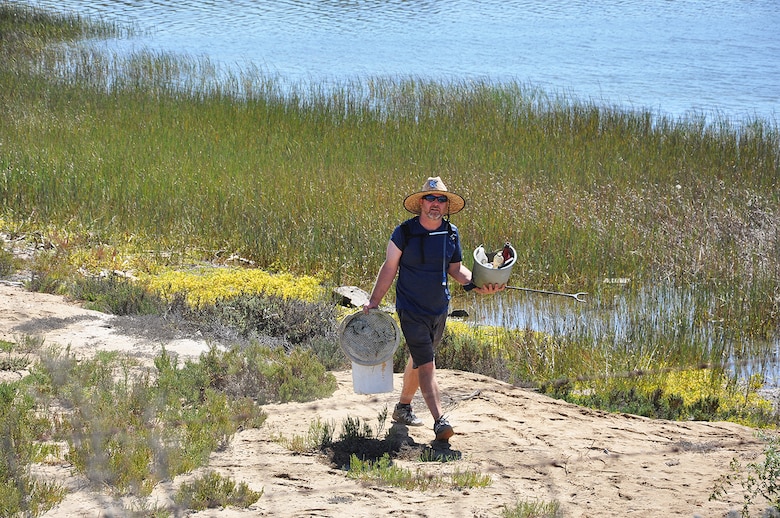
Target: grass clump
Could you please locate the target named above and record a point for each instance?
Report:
(212, 490)
(317, 438)
(366, 452)
(356, 435)
(8, 263)
(384, 471)
(469, 478)
(533, 510)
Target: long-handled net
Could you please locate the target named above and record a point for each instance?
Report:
(369, 339)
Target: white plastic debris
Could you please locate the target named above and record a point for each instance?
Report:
(481, 256)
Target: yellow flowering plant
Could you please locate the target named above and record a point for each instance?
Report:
(206, 285)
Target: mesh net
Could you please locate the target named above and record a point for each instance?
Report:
(369, 339)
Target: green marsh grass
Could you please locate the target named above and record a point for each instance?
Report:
(167, 158)
(311, 180)
(19, 23)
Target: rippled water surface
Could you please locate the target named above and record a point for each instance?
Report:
(621, 318)
(669, 56)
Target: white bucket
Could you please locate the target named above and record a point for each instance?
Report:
(372, 379)
(370, 340)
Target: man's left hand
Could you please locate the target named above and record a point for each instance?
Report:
(489, 289)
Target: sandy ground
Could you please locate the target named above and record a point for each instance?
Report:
(535, 448)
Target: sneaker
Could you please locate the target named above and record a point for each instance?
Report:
(404, 414)
(442, 429)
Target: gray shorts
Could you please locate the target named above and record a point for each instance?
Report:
(422, 333)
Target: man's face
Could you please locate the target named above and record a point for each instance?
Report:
(432, 208)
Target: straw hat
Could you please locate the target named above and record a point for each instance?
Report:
(434, 185)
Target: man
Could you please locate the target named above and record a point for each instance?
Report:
(422, 251)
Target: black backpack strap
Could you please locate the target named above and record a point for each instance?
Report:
(407, 232)
(408, 235)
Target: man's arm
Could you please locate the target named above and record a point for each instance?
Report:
(462, 275)
(385, 277)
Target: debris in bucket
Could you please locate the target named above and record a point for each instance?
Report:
(501, 258)
(480, 255)
(506, 253)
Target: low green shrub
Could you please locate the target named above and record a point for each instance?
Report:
(254, 315)
(115, 295)
(8, 263)
(267, 374)
(11, 359)
(760, 481)
(697, 394)
(21, 432)
(128, 430)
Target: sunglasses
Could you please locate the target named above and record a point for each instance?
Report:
(433, 197)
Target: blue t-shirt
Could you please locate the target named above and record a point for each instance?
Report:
(422, 275)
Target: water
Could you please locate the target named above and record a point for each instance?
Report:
(717, 58)
(622, 316)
